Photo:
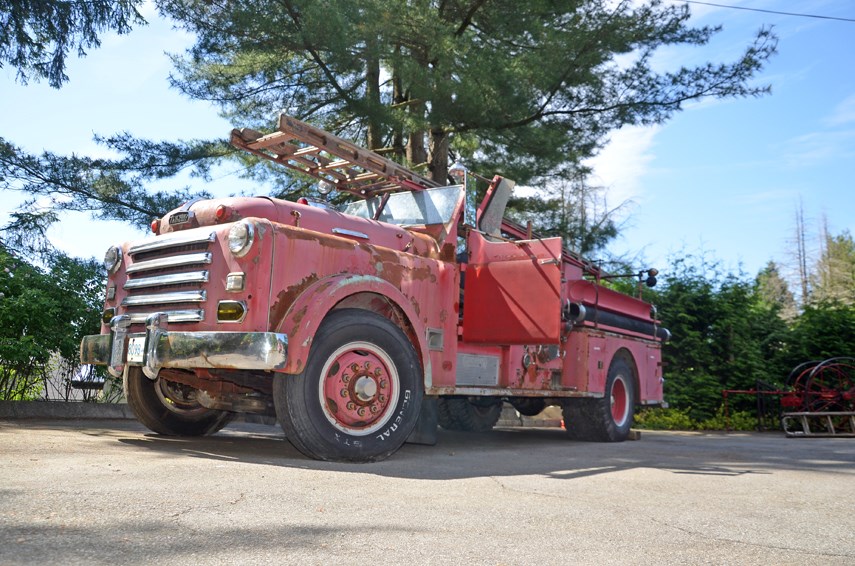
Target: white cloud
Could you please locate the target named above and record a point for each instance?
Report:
(623, 163)
(819, 147)
(844, 113)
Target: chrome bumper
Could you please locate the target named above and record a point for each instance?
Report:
(168, 349)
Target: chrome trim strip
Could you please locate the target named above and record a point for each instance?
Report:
(165, 298)
(172, 261)
(352, 233)
(172, 279)
(174, 316)
(171, 242)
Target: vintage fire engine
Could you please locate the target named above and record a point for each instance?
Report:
(358, 329)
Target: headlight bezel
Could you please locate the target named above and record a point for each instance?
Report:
(113, 259)
(240, 238)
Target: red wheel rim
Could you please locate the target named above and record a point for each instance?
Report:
(359, 388)
(619, 401)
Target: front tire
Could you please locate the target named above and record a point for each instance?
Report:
(608, 419)
(359, 397)
(170, 408)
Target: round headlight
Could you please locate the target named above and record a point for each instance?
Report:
(241, 236)
(112, 259)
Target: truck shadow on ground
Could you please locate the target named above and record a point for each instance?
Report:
(525, 451)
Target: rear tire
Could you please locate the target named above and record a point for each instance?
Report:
(608, 419)
(170, 408)
(475, 415)
(359, 396)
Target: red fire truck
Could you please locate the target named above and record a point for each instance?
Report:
(360, 328)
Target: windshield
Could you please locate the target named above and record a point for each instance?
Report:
(431, 206)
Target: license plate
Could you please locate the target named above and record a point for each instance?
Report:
(136, 349)
(179, 218)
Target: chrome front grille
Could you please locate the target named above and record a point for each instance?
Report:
(169, 275)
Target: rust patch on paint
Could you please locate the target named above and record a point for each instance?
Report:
(286, 298)
(416, 307)
(448, 253)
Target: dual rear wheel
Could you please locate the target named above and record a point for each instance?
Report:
(608, 419)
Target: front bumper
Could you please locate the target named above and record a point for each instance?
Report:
(163, 348)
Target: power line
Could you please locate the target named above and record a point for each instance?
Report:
(771, 11)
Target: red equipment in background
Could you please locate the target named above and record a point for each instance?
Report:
(820, 401)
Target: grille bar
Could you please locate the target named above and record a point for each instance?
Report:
(172, 261)
(163, 280)
(165, 298)
(172, 316)
(165, 243)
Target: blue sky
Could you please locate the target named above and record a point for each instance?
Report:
(721, 178)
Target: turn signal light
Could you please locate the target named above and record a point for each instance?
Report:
(155, 225)
(108, 315)
(230, 311)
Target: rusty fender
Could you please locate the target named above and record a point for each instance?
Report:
(309, 309)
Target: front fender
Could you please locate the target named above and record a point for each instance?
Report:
(309, 309)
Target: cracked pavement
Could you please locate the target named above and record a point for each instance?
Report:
(110, 492)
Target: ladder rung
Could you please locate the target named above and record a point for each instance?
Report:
(302, 147)
(308, 151)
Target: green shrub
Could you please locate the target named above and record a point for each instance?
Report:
(679, 419)
(739, 420)
(664, 419)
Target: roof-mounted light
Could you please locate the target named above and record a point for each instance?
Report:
(458, 172)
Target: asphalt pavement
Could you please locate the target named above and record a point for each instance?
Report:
(109, 492)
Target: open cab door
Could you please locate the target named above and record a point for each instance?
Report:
(512, 290)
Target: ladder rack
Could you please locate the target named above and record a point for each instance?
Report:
(327, 157)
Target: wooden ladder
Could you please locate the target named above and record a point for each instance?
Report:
(328, 158)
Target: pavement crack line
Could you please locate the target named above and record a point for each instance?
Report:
(177, 516)
(754, 544)
(684, 529)
(526, 491)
